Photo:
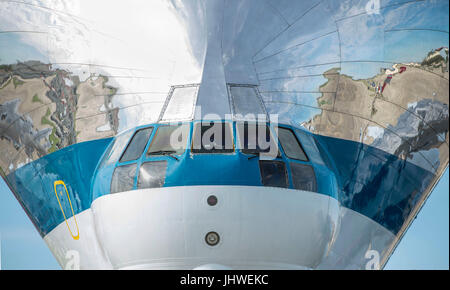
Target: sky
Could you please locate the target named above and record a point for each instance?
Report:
(424, 246)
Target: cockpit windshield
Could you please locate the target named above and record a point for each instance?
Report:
(255, 139)
(170, 139)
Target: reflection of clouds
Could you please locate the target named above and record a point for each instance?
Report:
(362, 38)
(374, 132)
(142, 45)
(143, 114)
(426, 14)
(412, 138)
(141, 35)
(21, 51)
(291, 113)
(346, 8)
(294, 84)
(318, 51)
(149, 46)
(303, 30)
(37, 16)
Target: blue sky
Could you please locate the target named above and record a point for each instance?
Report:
(424, 246)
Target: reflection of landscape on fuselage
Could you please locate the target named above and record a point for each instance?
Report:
(45, 109)
(47, 105)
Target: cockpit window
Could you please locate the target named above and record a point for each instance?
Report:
(273, 173)
(290, 144)
(114, 151)
(137, 145)
(303, 177)
(256, 138)
(123, 178)
(213, 137)
(170, 139)
(152, 174)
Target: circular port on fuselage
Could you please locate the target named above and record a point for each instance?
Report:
(212, 238)
(212, 200)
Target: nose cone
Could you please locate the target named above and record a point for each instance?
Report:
(248, 228)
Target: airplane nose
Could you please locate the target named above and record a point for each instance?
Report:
(249, 227)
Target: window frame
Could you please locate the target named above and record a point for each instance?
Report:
(232, 99)
(286, 172)
(133, 187)
(225, 123)
(106, 160)
(298, 142)
(148, 155)
(138, 175)
(260, 153)
(131, 140)
(313, 171)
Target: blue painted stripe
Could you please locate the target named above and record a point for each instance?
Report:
(370, 181)
(33, 183)
(376, 184)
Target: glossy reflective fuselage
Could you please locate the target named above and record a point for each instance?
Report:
(365, 89)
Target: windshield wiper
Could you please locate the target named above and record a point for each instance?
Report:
(259, 153)
(253, 153)
(165, 153)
